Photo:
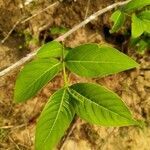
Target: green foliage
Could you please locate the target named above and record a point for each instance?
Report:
(81, 60)
(34, 76)
(135, 4)
(140, 44)
(140, 20)
(51, 49)
(91, 102)
(100, 106)
(54, 120)
(138, 27)
(118, 18)
(144, 15)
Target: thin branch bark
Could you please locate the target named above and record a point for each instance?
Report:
(62, 38)
(9, 33)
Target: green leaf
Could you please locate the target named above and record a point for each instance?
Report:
(135, 4)
(34, 76)
(54, 120)
(51, 49)
(101, 106)
(144, 15)
(92, 60)
(118, 18)
(146, 25)
(137, 26)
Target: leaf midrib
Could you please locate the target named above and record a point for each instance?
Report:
(101, 106)
(59, 110)
(116, 21)
(96, 62)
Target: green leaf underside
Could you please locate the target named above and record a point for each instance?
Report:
(34, 76)
(135, 4)
(101, 106)
(92, 60)
(54, 120)
(118, 18)
(51, 49)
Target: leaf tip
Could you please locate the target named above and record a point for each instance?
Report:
(140, 123)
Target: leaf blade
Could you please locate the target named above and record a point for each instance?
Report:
(101, 106)
(137, 26)
(118, 18)
(145, 18)
(51, 49)
(92, 60)
(54, 120)
(144, 15)
(33, 77)
(135, 4)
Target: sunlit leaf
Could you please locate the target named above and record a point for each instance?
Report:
(101, 106)
(34, 76)
(139, 26)
(135, 4)
(118, 18)
(51, 49)
(54, 120)
(93, 60)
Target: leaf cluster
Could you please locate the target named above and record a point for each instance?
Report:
(93, 103)
(140, 18)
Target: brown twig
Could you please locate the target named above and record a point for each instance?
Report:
(62, 38)
(9, 33)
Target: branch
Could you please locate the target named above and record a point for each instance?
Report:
(9, 33)
(62, 38)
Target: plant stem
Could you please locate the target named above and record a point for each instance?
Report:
(64, 68)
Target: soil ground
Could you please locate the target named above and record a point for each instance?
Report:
(17, 121)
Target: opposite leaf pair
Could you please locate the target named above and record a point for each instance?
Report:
(91, 102)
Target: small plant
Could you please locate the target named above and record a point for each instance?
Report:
(140, 26)
(93, 103)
